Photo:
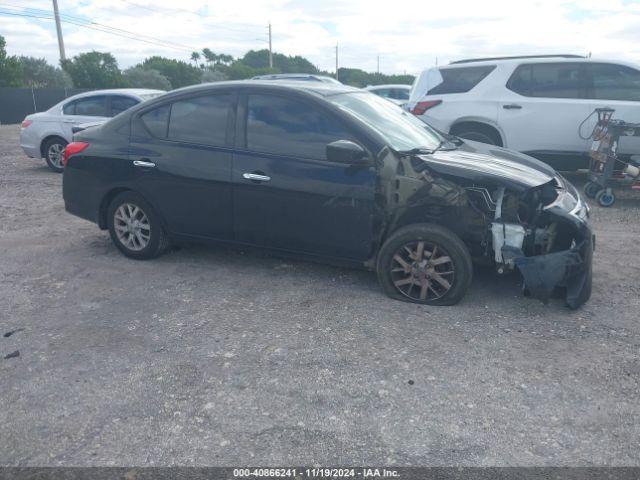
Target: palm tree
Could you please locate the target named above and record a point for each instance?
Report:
(209, 55)
(224, 58)
(195, 56)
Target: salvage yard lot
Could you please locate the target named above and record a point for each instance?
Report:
(214, 356)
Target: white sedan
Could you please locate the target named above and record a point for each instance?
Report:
(398, 94)
(46, 134)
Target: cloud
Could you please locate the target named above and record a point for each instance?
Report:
(408, 35)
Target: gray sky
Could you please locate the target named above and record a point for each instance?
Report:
(408, 35)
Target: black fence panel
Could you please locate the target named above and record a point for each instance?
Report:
(17, 103)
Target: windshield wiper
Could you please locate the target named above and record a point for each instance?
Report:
(421, 150)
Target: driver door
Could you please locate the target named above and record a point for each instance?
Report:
(286, 194)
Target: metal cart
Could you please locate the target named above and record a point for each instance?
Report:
(606, 168)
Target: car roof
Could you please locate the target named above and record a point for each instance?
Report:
(134, 92)
(532, 59)
(388, 85)
(284, 76)
(318, 88)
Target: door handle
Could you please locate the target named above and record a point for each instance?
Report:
(256, 177)
(512, 106)
(142, 163)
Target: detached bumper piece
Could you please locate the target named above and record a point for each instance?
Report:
(569, 269)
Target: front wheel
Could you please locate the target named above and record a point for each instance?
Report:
(425, 264)
(135, 227)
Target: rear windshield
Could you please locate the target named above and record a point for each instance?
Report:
(460, 80)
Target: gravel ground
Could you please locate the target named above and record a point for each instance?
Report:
(220, 357)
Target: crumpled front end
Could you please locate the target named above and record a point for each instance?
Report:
(548, 240)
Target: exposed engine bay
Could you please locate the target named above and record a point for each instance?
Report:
(526, 232)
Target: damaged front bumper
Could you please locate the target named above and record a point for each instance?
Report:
(567, 269)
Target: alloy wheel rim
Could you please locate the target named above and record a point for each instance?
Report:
(55, 154)
(132, 226)
(422, 271)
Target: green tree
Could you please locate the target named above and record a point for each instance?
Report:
(138, 77)
(37, 73)
(213, 76)
(179, 73)
(281, 63)
(10, 68)
(94, 70)
(195, 57)
(209, 56)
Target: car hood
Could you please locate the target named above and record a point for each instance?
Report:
(487, 164)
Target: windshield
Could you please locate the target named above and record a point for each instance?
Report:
(401, 129)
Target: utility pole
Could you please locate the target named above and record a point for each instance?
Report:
(270, 50)
(56, 14)
(378, 70)
(336, 61)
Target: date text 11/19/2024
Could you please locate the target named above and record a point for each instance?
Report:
(315, 473)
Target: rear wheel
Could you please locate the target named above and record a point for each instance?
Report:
(477, 133)
(135, 227)
(53, 150)
(425, 264)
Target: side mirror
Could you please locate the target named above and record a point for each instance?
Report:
(345, 151)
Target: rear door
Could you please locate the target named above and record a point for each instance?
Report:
(543, 106)
(84, 110)
(618, 87)
(182, 153)
(299, 200)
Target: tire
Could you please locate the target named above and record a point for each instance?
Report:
(143, 240)
(477, 133)
(405, 280)
(591, 189)
(605, 198)
(53, 150)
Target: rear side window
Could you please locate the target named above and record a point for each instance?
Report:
(290, 127)
(460, 80)
(156, 121)
(382, 92)
(550, 80)
(400, 94)
(119, 104)
(614, 82)
(201, 119)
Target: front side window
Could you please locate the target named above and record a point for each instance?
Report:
(460, 79)
(614, 82)
(549, 80)
(201, 119)
(400, 129)
(290, 127)
(119, 104)
(91, 106)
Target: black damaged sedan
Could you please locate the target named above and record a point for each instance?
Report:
(334, 173)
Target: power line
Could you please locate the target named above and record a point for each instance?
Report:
(104, 28)
(50, 17)
(197, 14)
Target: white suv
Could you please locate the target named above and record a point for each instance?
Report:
(534, 105)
